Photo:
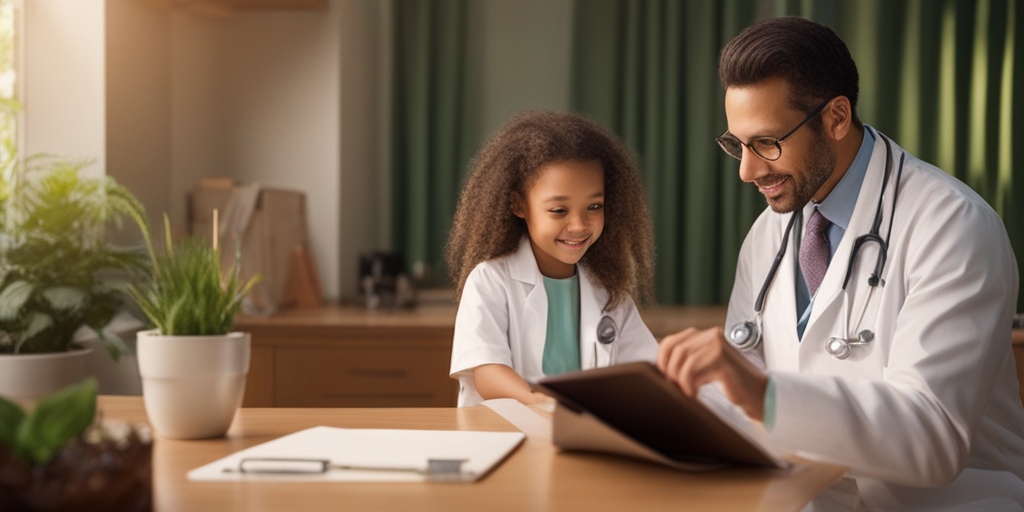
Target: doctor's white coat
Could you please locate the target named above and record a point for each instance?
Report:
(502, 319)
(927, 416)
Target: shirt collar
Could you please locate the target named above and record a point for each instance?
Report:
(838, 206)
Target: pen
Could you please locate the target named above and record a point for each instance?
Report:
(435, 470)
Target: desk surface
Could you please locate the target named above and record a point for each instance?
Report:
(536, 477)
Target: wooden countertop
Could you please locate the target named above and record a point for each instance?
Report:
(662, 320)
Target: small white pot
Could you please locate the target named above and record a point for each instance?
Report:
(27, 378)
(192, 385)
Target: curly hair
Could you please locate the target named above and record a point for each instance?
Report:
(485, 227)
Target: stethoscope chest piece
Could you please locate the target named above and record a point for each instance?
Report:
(841, 348)
(606, 330)
(745, 335)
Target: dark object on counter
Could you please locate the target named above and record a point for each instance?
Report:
(383, 282)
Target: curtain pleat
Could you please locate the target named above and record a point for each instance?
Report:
(433, 135)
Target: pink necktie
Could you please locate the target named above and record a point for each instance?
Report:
(814, 251)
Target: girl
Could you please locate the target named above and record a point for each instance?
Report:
(551, 243)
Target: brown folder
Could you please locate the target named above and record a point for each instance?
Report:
(634, 410)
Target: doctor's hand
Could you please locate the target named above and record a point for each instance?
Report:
(692, 358)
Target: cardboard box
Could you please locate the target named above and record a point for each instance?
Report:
(269, 228)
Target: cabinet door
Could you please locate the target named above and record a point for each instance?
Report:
(364, 375)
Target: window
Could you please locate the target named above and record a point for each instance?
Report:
(9, 61)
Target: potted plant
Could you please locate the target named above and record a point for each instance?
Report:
(56, 457)
(193, 366)
(59, 274)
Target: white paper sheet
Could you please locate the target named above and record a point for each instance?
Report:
(377, 448)
(535, 425)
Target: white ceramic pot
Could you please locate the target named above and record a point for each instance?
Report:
(27, 378)
(192, 385)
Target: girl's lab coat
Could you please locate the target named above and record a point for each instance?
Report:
(927, 415)
(503, 315)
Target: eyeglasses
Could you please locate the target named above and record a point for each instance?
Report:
(767, 148)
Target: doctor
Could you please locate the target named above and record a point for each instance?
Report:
(908, 380)
(550, 244)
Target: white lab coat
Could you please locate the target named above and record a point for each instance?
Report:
(502, 319)
(927, 416)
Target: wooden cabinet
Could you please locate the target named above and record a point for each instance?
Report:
(350, 357)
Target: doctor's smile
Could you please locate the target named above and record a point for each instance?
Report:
(772, 186)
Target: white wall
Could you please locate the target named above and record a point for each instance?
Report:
(65, 99)
(138, 108)
(275, 103)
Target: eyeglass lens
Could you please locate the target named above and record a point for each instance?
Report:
(767, 148)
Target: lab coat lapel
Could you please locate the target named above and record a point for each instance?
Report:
(827, 314)
(523, 268)
(779, 308)
(592, 353)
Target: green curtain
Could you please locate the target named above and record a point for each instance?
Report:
(433, 132)
(944, 78)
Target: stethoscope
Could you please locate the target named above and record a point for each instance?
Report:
(746, 335)
(607, 331)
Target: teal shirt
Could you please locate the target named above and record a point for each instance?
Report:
(562, 341)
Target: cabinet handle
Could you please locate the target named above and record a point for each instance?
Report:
(379, 373)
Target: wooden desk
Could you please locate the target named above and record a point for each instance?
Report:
(536, 477)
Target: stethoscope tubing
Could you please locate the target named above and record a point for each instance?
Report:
(839, 347)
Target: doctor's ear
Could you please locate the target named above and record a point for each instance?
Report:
(838, 117)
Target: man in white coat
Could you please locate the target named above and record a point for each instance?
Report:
(907, 380)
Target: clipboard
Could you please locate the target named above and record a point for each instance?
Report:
(331, 454)
(632, 409)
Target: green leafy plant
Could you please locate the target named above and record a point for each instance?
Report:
(58, 271)
(187, 294)
(38, 435)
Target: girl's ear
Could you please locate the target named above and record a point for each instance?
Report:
(517, 206)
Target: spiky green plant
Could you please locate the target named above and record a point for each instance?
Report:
(58, 271)
(187, 295)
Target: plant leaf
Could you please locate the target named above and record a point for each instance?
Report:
(11, 416)
(37, 323)
(57, 419)
(65, 298)
(13, 298)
